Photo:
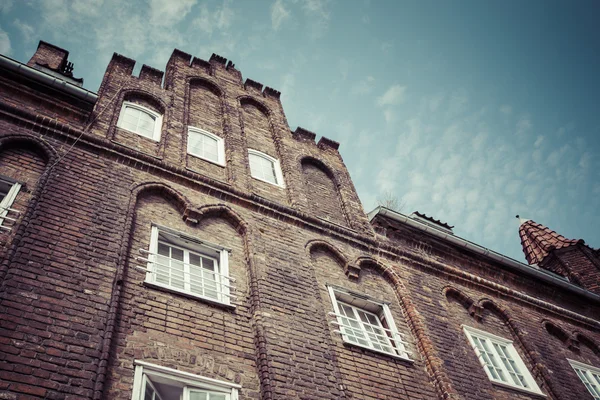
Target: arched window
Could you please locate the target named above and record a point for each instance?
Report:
(8, 192)
(265, 168)
(205, 145)
(141, 120)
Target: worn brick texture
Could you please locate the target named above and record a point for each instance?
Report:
(76, 310)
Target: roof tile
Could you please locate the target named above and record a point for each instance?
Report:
(538, 240)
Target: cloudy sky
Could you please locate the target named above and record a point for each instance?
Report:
(470, 111)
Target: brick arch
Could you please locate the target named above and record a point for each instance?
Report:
(220, 211)
(316, 244)
(212, 86)
(184, 206)
(171, 195)
(586, 341)
(49, 156)
(40, 147)
(556, 331)
(211, 105)
(433, 361)
(248, 100)
(322, 190)
(151, 99)
(539, 369)
(455, 294)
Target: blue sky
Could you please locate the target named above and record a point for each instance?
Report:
(470, 111)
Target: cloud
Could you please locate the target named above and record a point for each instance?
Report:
(5, 47)
(278, 14)
(524, 124)
(539, 141)
(220, 19)
(6, 6)
(585, 161)
(287, 85)
(26, 30)
(87, 7)
(506, 109)
(318, 15)
(169, 12)
(386, 47)
(363, 86)
(393, 96)
(435, 101)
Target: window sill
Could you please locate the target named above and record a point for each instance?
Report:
(270, 183)
(205, 299)
(218, 164)
(518, 389)
(397, 357)
(139, 134)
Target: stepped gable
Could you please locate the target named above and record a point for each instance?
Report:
(538, 241)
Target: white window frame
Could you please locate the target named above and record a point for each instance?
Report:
(498, 363)
(9, 199)
(220, 146)
(589, 376)
(380, 310)
(157, 119)
(276, 165)
(197, 246)
(190, 381)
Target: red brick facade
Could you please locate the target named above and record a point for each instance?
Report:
(78, 311)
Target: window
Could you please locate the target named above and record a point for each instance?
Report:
(590, 376)
(205, 145)
(140, 120)
(154, 382)
(8, 192)
(500, 360)
(265, 168)
(188, 265)
(366, 323)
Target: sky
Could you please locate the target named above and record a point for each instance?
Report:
(468, 111)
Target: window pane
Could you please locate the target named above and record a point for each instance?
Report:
(138, 121)
(149, 394)
(198, 395)
(204, 146)
(262, 168)
(215, 396)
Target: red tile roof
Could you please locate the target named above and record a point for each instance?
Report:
(538, 240)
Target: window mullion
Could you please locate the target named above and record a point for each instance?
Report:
(362, 326)
(186, 271)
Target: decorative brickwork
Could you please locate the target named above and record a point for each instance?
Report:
(79, 309)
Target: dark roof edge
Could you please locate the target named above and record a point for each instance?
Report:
(47, 79)
(513, 264)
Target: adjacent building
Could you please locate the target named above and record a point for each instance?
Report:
(170, 237)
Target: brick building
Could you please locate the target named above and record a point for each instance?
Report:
(170, 238)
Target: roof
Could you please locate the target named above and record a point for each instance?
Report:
(431, 219)
(538, 241)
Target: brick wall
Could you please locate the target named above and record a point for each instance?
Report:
(77, 312)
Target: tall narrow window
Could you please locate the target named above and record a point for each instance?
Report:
(154, 382)
(185, 264)
(8, 193)
(500, 360)
(140, 120)
(265, 168)
(589, 376)
(366, 323)
(205, 145)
